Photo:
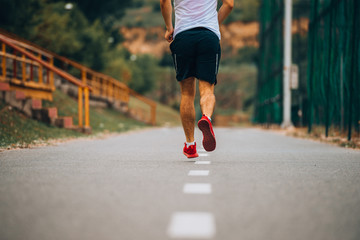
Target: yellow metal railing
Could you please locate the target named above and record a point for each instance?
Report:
(109, 88)
(39, 88)
(102, 85)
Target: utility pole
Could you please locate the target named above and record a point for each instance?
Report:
(287, 66)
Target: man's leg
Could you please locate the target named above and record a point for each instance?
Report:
(187, 109)
(207, 98)
(207, 103)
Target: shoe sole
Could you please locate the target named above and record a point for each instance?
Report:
(209, 142)
(191, 155)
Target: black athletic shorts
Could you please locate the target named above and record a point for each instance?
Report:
(196, 53)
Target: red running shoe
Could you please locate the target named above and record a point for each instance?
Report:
(190, 151)
(209, 142)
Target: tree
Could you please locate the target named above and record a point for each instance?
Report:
(16, 15)
(143, 74)
(103, 10)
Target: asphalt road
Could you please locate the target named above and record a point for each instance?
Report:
(256, 185)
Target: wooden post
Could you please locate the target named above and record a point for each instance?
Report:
(4, 61)
(23, 65)
(80, 106)
(83, 76)
(87, 117)
(86, 98)
(52, 73)
(40, 71)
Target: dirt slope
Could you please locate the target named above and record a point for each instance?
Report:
(234, 36)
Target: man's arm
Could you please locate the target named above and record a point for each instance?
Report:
(166, 10)
(225, 10)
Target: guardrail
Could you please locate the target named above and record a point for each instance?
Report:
(39, 87)
(102, 85)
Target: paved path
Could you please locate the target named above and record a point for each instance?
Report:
(257, 185)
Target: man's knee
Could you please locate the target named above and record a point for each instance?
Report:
(188, 87)
(206, 88)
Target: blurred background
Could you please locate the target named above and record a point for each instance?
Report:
(124, 39)
(118, 37)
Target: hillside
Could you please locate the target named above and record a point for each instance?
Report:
(142, 29)
(140, 40)
(235, 35)
(18, 131)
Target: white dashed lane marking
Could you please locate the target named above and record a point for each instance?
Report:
(198, 173)
(197, 188)
(202, 162)
(203, 154)
(192, 225)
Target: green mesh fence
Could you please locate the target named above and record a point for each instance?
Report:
(269, 88)
(327, 54)
(333, 65)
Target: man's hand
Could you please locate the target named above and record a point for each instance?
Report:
(166, 10)
(169, 35)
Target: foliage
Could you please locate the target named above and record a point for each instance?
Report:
(103, 10)
(247, 54)
(118, 65)
(245, 11)
(143, 73)
(70, 34)
(82, 33)
(139, 15)
(15, 15)
(236, 87)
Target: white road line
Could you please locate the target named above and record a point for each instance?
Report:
(198, 173)
(192, 225)
(202, 162)
(203, 154)
(201, 150)
(197, 188)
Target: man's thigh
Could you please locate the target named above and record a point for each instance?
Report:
(188, 87)
(208, 57)
(183, 50)
(196, 53)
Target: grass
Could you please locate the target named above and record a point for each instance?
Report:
(165, 116)
(236, 89)
(101, 119)
(18, 131)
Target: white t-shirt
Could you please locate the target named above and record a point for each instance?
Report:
(196, 13)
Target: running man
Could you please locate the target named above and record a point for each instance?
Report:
(195, 48)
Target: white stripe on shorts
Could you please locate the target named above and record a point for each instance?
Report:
(217, 62)
(175, 63)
